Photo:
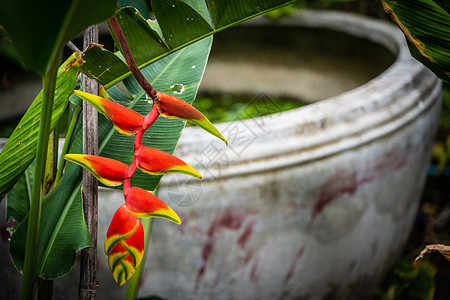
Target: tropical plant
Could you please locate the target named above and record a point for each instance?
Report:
(47, 201)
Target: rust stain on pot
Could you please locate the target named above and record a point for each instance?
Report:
(339, 184)
(343, 182)
(245, 236)
(295, 262)
(254, 277)
(230, 220)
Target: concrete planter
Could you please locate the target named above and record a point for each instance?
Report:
(311, 203)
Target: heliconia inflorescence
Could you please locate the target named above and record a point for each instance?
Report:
(124, 242)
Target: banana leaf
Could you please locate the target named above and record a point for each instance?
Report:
(38, 28)
(20, 150)
(427, 27)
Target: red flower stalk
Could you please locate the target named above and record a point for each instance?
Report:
(124, 243)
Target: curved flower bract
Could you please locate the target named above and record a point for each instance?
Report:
(126, 256)
(125, 120)
(157, 162)
(122, 226)
(141, 203)
(172, 107)
(108, 171)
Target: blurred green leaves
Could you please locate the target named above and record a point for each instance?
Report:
(427, 27)
(38, 29)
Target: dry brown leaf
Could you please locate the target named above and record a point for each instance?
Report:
(442, 249)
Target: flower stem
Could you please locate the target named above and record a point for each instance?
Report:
(126, 51)
(29, 269)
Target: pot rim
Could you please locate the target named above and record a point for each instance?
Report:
(385, 104)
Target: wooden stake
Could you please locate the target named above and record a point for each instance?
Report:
(88, 271)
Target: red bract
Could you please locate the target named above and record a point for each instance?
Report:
(141, 203)
(157, 162)
(122, 226)
(124, 254)
(172, 107)
(108, 171)
(125, 120)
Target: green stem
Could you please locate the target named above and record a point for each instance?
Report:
(29, 269)
(133, 284)
(45, 287)
(126, 51)
(65, 149)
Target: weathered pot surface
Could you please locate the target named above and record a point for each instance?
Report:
(311, 203)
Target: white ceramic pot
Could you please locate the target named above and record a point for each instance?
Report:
(312, 203)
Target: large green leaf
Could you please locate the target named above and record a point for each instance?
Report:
(427, 28)
(141, 5)
(20, 150)
(63, 231)
(38, 29)
(178, 24)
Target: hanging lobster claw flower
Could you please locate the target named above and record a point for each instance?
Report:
(125, 254)
(125, 120)
(108, 171)
(157, 162)
(172, 107)
(141, 203)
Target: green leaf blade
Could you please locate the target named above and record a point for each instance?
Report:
(427, 27)
(139, 35)
(63, 231)
(36, 29)
(103, 65)
(179, 22)
(20, 149)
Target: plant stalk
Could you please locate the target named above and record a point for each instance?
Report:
(45, 287)
(29, 269)
(126, 51)
(88, 273)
